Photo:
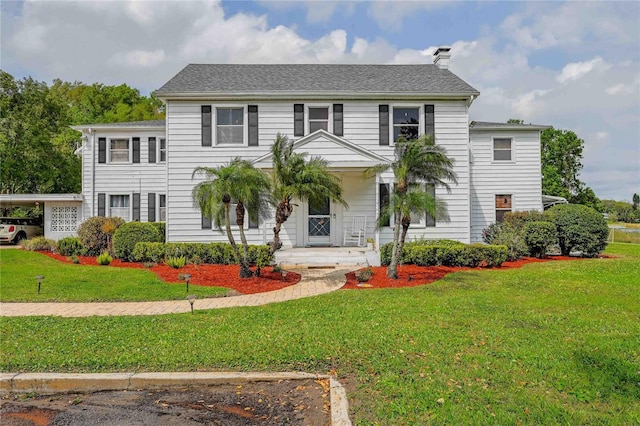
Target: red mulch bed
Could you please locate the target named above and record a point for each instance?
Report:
(204, 275)
(421, 275)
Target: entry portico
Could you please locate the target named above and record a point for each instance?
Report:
(325, 225)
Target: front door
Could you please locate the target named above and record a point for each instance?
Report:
(319, 224)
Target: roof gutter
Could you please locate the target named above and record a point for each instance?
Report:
(280, 95)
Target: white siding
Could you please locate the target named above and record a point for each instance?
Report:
(360, 127)
(122, 178)
(520, 177)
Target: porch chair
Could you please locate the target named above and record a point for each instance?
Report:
(356, 234)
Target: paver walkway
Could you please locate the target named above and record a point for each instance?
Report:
(313, 282)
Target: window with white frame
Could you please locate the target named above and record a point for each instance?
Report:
(119, 150)
(162, 211)
(502, 149)
(503, 205)
(163, 150)
(119, 206)
(318, 119)
(230, 126)
(406, 123)
(423, 219)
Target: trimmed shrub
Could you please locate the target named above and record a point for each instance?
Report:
(386, 249)
(148, 252)
(519, 219)
(70, 246)
(579, 228)
(131, 233)
(92, 237)
(539, 236)
(104, 258)
(39, 244)
(452, 253)
(161, 227)
(507, 235)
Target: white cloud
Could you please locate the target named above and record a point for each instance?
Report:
(140, 58)
(390, 14)
(576, 70)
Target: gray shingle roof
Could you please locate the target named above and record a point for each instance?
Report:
(490, 125)
(315, 78)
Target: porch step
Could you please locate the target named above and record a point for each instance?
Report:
(323, 256)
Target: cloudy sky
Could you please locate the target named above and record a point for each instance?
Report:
(572, 65)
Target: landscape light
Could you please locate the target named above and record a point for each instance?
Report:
(39, 278)
(186, 278)
(191, 298)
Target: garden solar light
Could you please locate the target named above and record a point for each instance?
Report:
(187, 277)
(39, 278)
(191, 298)
(284, 275)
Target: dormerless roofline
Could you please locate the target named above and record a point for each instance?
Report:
(332, 96)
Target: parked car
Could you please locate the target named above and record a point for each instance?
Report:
(16, 229)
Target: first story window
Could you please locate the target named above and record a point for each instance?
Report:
(503, 205)
(406, 122)
(502, 149)
(423, 219)
(162, 211)
(318, 119)
(119, 150)
(230, 126)
(119, 206)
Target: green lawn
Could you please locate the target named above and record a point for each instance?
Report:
(79, 283)
(551, 343)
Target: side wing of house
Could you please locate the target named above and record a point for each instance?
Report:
(124, 170)
(505, 172)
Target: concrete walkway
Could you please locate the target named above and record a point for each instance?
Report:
(313, 282)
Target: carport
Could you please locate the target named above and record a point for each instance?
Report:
(62, 213)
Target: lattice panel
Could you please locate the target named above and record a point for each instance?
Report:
(319, 226)
(64, 219)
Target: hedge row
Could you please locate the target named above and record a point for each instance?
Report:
(209, 253)
(447, 253)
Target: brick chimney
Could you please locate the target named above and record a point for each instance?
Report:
(441, 57)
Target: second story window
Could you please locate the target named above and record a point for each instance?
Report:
(502, 149)
(318, 119)
(230, 126)
(406, 122)
(163, 150)
(119, 151)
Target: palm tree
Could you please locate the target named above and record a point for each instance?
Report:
(237, 181)
(296, 177)
(416, 162)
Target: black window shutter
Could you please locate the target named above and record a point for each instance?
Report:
(136, 150)
(102, 150)
(206, 222)
(383, 111)
(384, 201)
(253, 124)
(136, 206)
(338, 120)
(102, 198)
(206, 125)
(152, 150)
(429, 120)
(298, 119)
(431, 221)
(151, 210)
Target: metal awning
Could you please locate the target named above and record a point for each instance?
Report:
(551, 200)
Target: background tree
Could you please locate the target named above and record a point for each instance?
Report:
(561, 155)
(418, 161)
(636, 201)
(295, 177)
(36, 142)
(238, 182)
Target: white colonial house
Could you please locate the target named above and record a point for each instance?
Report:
(349, 114)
